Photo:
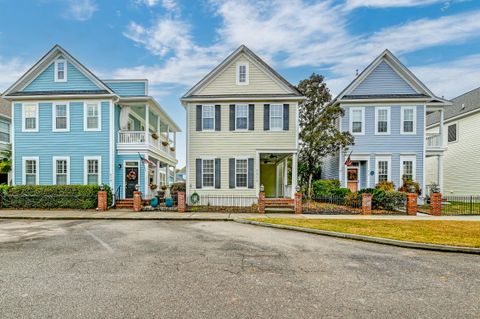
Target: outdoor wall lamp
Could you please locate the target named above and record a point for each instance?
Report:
(119, 165)
(102, 187)
(262, 188)
(137, 187)
(297, 188)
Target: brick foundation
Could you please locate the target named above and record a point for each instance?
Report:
(261, 203)
(102, 201)
(412, 205)
(181, 202)
(436, 204)
(137, 201)
(366, 204)
(298, 203)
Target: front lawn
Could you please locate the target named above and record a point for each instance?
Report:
(454, 233)
(455, 208)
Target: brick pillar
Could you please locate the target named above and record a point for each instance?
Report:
(366, 204)
(102, 201)
(181, 202)
(261, 202)
(298, 203)
(137, 201)
(412, 206)
(436, 204)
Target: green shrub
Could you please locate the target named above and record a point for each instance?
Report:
(341, 192)
(381, 199)
(409, 186)
(325, 187)
(52, 196)
(178, 187)
(385, 186)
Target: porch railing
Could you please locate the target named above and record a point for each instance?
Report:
(139, 137)
(434, 140)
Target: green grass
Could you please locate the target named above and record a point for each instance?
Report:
(455, 208)
(441, 232)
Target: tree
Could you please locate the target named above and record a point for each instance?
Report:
(5, 161)
(319, 134)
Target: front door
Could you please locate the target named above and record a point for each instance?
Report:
(352, 179)
(131, 180)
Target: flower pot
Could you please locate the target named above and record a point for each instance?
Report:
(164, 143)
(172, 149)
(155, 136)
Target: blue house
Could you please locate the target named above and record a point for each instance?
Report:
(70, 127)
(385, 109)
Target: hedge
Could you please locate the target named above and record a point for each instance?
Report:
(52, 196)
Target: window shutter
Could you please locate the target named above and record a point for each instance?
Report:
(198, 173)
(218, 123)
(286, 116)
(266, 117)
(232, 117)
(199, 117)
(217, 173)
(231, 173)
(250, 172)
(251, 117)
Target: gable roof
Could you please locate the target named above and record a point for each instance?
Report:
(46, 61)
(410, 87)
(242, 50)
(463, 104)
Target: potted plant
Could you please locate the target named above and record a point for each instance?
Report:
(172, 149)
(153, 186)
(155, 136)
(165, 143)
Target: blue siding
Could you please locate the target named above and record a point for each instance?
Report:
(383, 80)
(124, 88)
(119, 172)
(76, 80)
(77, 143)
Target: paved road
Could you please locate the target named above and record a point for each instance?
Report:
(179, 269)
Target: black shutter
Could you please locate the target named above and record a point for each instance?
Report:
(250, 172)
(266, 117)
(198, 173)
(231, 173)
(217, 173)
(199, 117)
(218, 123)
(286, 116)
(251, 117)
(232, 117)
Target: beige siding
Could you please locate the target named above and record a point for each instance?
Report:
(260, 82)
(227, 144)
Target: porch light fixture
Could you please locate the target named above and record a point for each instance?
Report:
(262, 188)
(102, 187)
(119, 165)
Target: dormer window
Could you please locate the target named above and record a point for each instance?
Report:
(242, 73)
(60, 70)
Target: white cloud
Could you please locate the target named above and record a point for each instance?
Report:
(11, 70)
(80, 10)
(352, 4)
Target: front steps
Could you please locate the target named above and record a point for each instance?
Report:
(279, 205)
(124, 203)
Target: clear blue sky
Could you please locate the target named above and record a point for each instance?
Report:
(174, 43)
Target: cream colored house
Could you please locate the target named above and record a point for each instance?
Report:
(242, 130)
(461, 130)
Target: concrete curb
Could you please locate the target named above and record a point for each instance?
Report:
(204, 219)
(377, 240)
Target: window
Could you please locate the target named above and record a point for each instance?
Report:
(208, 118)
(241, 172)
(208, 173)
(241, 117)
(92, 170)
(276, 117)
(61, 168)
(242, 74)
(357, 118)
(408, 120)
(382, 124)
(407, 167)
(383, 164)
(30, 117)
(60, 70)
(30, 171)
(92, 117)
(452, 133)
(60, 117)
(4, 131)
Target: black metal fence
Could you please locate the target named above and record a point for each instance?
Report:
(461, 205)
(222, 203)
(332, 204)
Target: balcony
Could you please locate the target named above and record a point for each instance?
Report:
(139, 140)
(434, 144)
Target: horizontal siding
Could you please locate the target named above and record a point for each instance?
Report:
(76, 80)
(124, 88)
(77, 143)
(383, 80)
(259, 81)
(330, 167)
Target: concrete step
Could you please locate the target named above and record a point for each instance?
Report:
(279, 210)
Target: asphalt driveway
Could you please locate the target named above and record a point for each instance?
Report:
(180, 269)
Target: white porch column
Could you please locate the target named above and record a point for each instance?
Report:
(146, 169)
(294, 174)
(175, 139)
(147, 124)
(441, 129)
(440, 172)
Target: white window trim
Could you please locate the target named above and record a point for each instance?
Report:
(9, 132)
(85, 115)
(247, 73)
(377, 109)
(65, 66)
(24, 171)
(248, 117)
(54, 166)
(411, 158)
(236, 159)
(36, 117)
(350, 120)
(389, 172)
(456, 129)
(204, 159)
(277, 129)
(54, 117)
(212, 129)
(402, 109)
(85, 168)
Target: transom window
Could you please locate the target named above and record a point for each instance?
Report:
(208, 117)
(241, 172)
(452, 133)
(208, 172)
(92, 117)
(30, 115)
(383, 119)
(356, 120)
(241, 117)
(61, 172)
(31, 171)
(60, 117)
(92, 166)
(408, 120)
(4, 131)
(242, 73)
(382, 171)
(60, 70)
(276, 117)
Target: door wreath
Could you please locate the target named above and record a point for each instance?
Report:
(194, 198)
(132, 175)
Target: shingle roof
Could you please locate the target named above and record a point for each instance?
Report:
(462, 104)
(5, 107)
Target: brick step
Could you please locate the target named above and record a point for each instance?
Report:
(124, 203)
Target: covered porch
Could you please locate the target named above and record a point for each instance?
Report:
(278, 174)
